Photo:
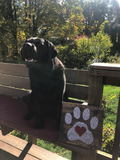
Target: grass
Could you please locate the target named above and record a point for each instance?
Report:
(54, 148)
(110, 101)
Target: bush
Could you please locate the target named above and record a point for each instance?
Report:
(84, 51)
(108, 138)
(101, 46)
(19, 134)
(75, 55)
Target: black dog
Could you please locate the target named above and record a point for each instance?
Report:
(47, 80)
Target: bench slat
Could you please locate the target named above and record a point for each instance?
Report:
(14, 69)
(72, 76)
(79, 92)
(77, 76)
(8, 91)
(15, 81)
(74, 91)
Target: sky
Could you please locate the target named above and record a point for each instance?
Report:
(117, 0)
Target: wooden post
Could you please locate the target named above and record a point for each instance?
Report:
(32, 139)
(95, 98)
(95, 91)
(5, 129)
(77, 156)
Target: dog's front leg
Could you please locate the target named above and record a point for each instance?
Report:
(29, 100)
(39, 122)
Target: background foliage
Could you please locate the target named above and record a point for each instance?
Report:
(83, 51)
(62, 22)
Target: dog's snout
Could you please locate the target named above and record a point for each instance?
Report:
(27, 45)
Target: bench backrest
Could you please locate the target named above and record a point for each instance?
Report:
(14, 81)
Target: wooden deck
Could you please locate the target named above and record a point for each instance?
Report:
(14, 148)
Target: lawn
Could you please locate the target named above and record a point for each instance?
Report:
(110, 102)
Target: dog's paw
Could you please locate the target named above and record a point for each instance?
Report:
(37, 126)
(29, 116)
(79, 130)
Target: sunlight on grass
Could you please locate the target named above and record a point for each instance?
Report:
(110, 97)
(54, 148)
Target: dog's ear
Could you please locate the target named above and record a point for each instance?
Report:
(52, 51)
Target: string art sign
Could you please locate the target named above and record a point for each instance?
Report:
(81, 125)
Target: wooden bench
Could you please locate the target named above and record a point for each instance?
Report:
(14, 83)
(81, 85)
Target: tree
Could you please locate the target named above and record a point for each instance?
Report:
(8, 25)
(113, 12)
(27, 18)
(95, 14)
(72, 24)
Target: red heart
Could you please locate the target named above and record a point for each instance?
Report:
(80, 130)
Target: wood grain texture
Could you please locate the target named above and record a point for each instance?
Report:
(77, 76)
(77, 156)
(95, 91)
(105, 70)
(108, 66)
(14, 69)
(64, 128)
(115, 81)
(32, 140)
(5, 129)
(72, 76)
(13, 148)
(77, 149)
(108, 73)
(15, 81)
(13, 92)
(75, 91)
(16, 75)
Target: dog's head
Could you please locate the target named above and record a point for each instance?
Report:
(38, 50)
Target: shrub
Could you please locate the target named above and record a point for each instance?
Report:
(84, 51)
(101, 46)
(75, 55)
(19, 134)
(108, 138)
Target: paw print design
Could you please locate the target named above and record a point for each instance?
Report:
(79, 130)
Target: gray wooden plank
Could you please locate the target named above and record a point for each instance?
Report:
(5, 129)
(15, 81)
(14, 69)
(72, 76)
(95, 91)
(13, 92)
(77, 76)
(76, 91)
(115, 81)
(104, 66)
